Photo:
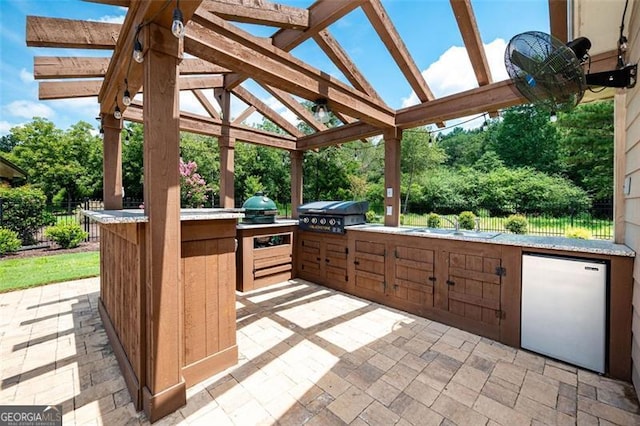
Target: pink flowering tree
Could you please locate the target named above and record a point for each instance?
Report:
(193, 188)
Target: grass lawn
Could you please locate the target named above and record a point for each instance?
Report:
(26, 272)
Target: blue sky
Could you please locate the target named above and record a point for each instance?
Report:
(428, 29)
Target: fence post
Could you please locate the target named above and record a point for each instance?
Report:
(86, 220)
(1, 210)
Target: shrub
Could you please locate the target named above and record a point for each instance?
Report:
(580, 233)
(9, 241)
(23, 211)
(401, 219)
(433, 220)
(66, 235)
(371, 216)
(517, 224)
(467, 220)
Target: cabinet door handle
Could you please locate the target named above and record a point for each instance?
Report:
(432, 279)
(449, 282)
(318, 259)
(327, 260)
(356, 262)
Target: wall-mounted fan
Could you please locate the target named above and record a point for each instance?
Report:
(549, 73)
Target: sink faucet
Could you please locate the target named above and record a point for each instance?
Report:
(453, 222)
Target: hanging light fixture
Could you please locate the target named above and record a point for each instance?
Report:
(138, 54)
(117, 114)
(177, 27)
(321, 111)
(126, 98)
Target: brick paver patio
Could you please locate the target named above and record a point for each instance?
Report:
(308, 355)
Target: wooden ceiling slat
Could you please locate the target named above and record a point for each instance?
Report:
(244, 115)
(267, 111)
(473, 42)
(396, 47)
(296, 107)
(259, 12)
(491, 97)
(58, 67)
(70, 33)
(341, 59)
(336, 135)
(558, 19)
(236, 49)
(322, 13)
(86, 88)
(200, 96)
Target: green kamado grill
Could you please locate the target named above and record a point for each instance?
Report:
(259, 209)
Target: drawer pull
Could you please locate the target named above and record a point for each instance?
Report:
(449, 282)
(356, 262)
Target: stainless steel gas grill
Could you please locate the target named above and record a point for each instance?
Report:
(331, 216)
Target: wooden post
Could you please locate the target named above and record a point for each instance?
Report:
(165, 389)
(296, 181)
(392, 154)
(619, 161)
(226, 144)
(112, 163)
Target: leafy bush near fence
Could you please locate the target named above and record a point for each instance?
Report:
(371, 216)
(517, 224)
(9, 241)
(66, 235)
(467, 220)
(579, 233)
(433, 220)
(24, 211)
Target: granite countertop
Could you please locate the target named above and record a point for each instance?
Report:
(138, 216)
(604, 247)
(278, 222)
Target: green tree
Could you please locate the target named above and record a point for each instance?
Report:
(132, 160)
(586, 147)
(526, 138)
(8, 142)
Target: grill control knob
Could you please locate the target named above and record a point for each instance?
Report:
(332, 221)
(323, 221)
(314, 220)
(305, 220)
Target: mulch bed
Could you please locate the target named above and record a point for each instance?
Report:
(51, 250)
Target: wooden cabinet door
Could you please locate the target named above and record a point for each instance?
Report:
(413, 277)
(474, 284)
(335, 263)
(310, 258)
(369, 267)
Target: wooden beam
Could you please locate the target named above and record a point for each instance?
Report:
(558, 19)
(208, 126)
(296, 107)
(322, 13)
(57, 67)
(121, 3)
(469, 29)
(260, 12)
(121, 65)
(392, 40)
(392, 176)
(244, 115)
(337, 135)
(231, 47)
(491, 97)
(267, 111)
(86, 88)
(70, 33)
(341, 59)
(200, 96)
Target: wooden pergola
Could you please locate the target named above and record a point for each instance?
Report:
(222, 57)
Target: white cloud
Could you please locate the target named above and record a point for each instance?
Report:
(111, 19)
(453, 73)
(29, 109)
(282, 110)
(26, 76)
(5, 127)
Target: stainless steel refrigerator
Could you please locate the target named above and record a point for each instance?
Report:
(564, 309)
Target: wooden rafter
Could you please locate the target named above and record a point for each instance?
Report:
(471, 36)
(244, 115)
(392, 40)
(266, 110)
(491, 97)
(558, 19)
(339, 57)
(208, 126)
(200, 96)
(56, 67)
(86, 88)
(259, 12)
(337, 135)
(121, 66)
(70, 33)
(231, 47)
(297, 108)
(322, 13)
(121, 3)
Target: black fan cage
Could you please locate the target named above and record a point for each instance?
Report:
(545, 71)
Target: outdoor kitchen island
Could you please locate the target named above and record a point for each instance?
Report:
(205, 301)
(472, 282)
